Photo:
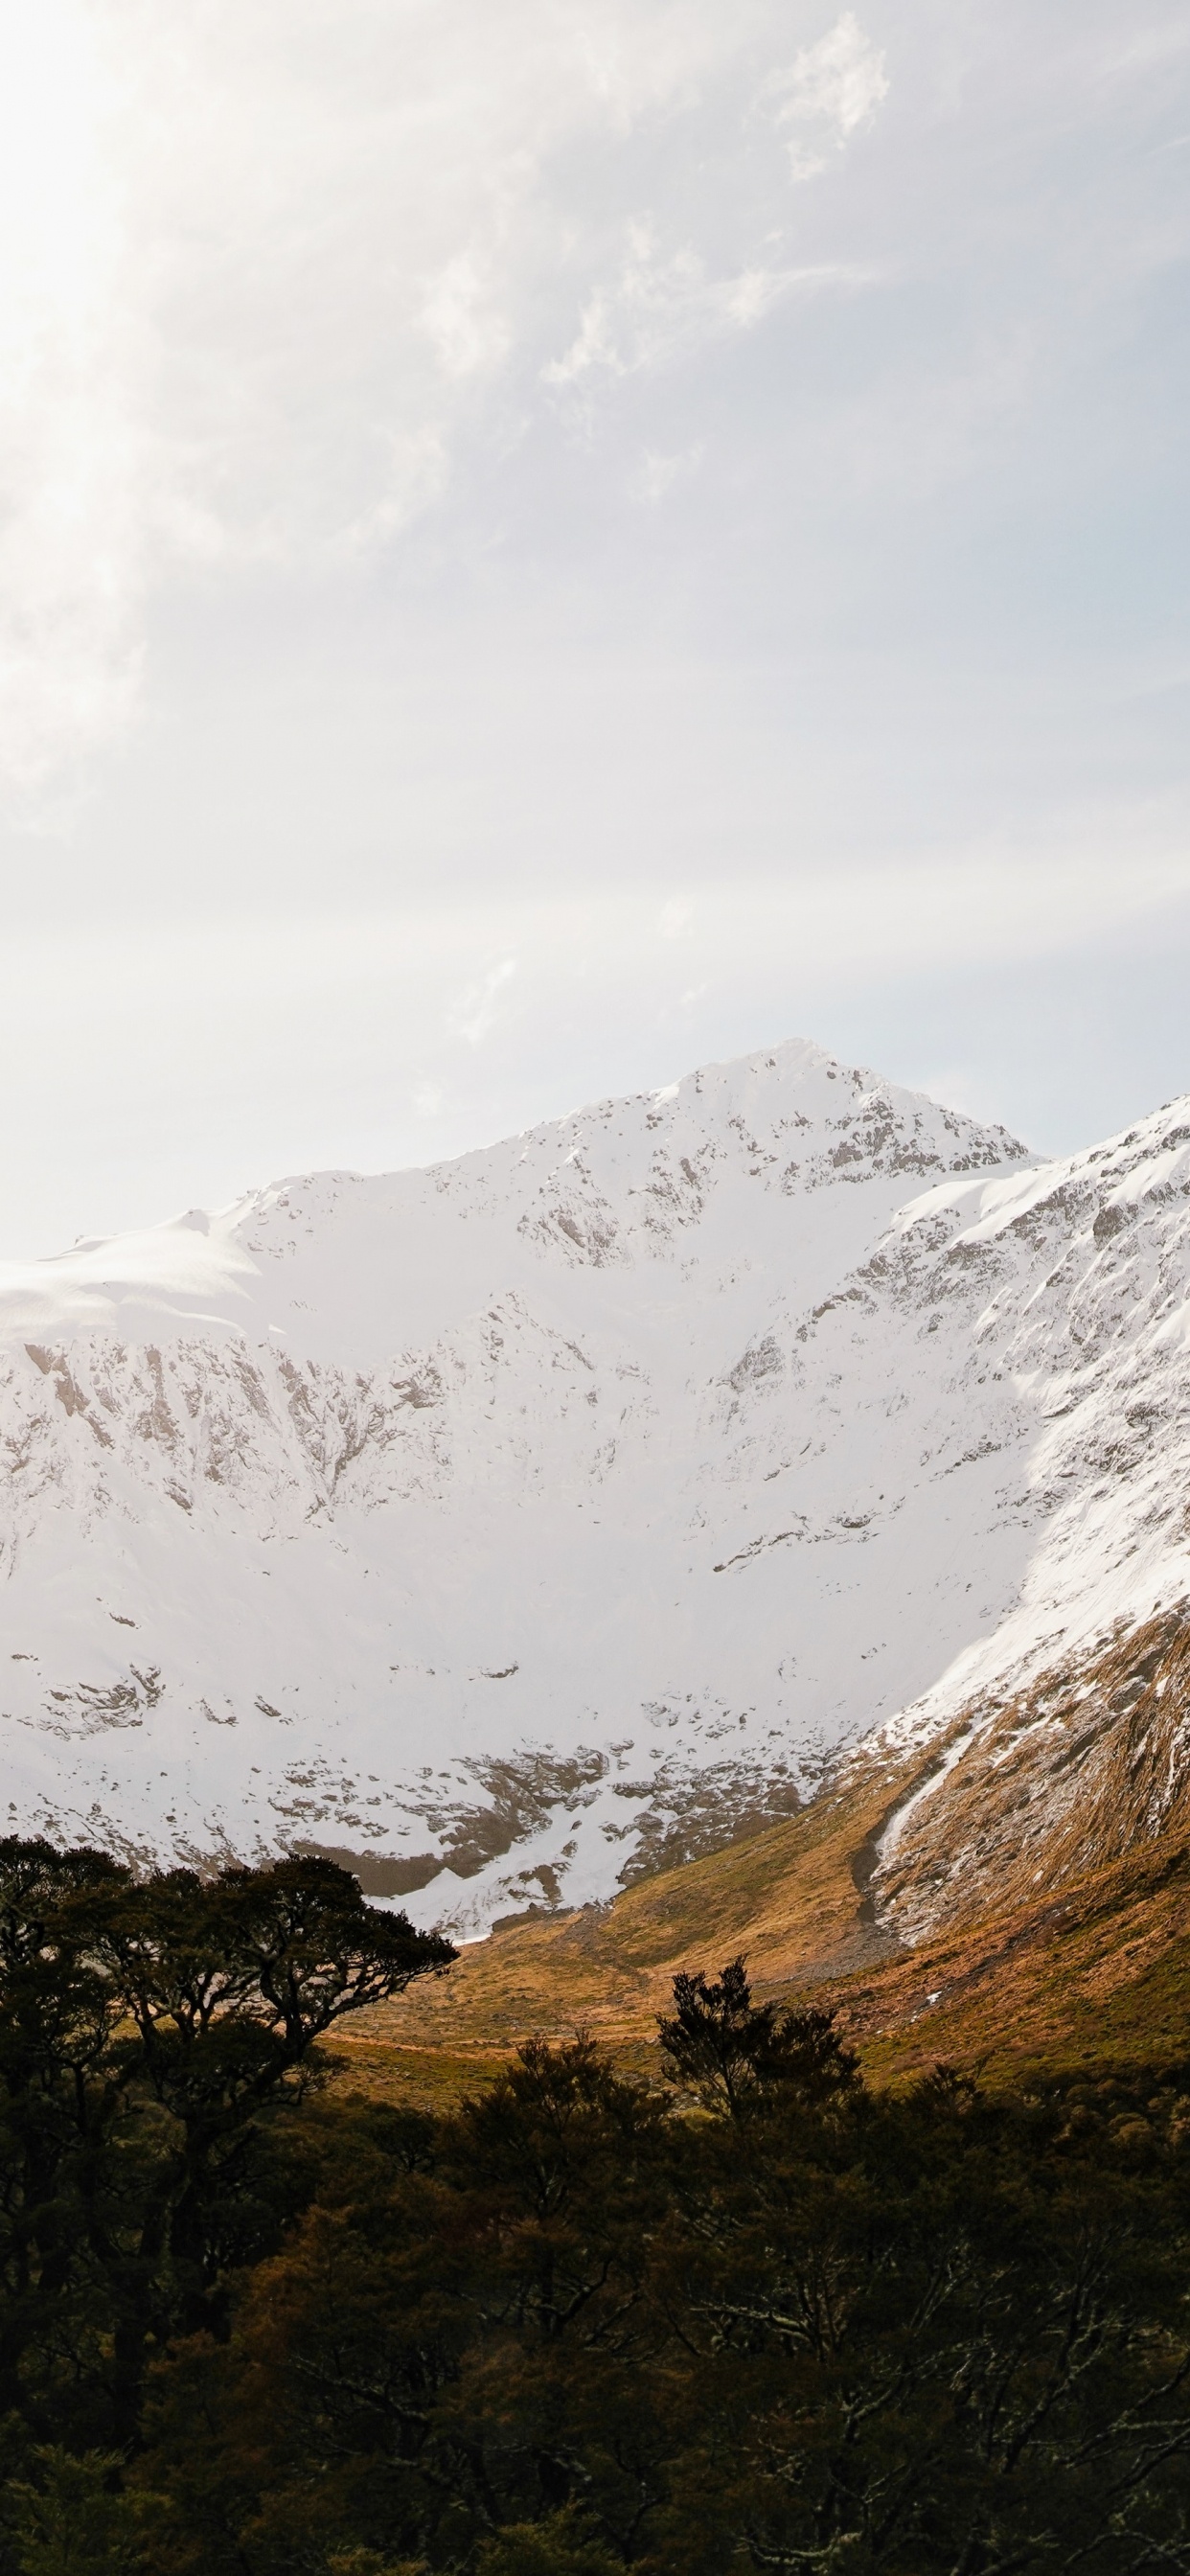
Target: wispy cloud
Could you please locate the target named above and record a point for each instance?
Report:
(259, 268)
(474, 1014)
(660, 304)
(657, 475)
(831, 91)
(72, 448)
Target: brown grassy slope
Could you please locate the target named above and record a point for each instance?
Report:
(1089, 1762)
(1097, 1976)
(793, 1897)
(1095, 1968)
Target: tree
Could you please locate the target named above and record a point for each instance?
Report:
(72, 2520)
(732, 2052)
(557, 2547)
(60, 2105)
(928, 2334)
(150, 2032)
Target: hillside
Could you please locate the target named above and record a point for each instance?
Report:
(1016, 1894)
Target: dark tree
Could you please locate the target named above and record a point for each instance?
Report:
(732, 2052)
(251, 2326)
(151, 2031)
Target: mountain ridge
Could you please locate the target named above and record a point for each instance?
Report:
(628, 1470)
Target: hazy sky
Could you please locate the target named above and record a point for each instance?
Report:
(542, 541)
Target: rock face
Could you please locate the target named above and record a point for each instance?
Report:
(1028, 1794)
(524, 1523)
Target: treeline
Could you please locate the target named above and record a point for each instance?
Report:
(758, 2317)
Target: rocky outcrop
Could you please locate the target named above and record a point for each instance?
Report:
(1088, 1763)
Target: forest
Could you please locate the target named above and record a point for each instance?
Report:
(750, 2312)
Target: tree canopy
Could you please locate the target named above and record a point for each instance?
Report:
(760, 2316)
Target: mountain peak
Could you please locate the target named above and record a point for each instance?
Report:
(524, 1522)
(622, 1179)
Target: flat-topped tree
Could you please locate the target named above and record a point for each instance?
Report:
(284, 1951)
(151, 2030)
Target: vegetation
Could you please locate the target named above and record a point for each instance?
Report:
(757, 2316)
(157, 2044)
(1087, 1978)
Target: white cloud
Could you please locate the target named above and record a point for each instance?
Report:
(473, 1016)
(830, 92)
(468, 332)
(70, 442)
(661, 305)
(259, 265)
(658, 475)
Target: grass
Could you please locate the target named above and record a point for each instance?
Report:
(1098, 1975)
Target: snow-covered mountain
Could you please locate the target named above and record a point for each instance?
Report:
(522, 1522)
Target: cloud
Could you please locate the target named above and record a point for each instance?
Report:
(70, 442)
(831, 91)
(260, 266)
(657, 302)
(658, 475)
(279, 1044)
(473, 1016)
(661, 305)
(270, 275)
(468, 331)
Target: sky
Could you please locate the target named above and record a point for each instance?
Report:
(544, 544)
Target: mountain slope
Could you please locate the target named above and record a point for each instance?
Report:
(531, 1521)
(1094, 1977)
(1014, 1890)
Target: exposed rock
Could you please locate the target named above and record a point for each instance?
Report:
(1090, 1761)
